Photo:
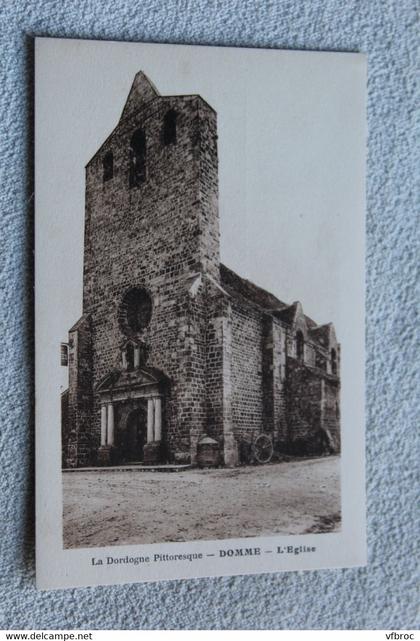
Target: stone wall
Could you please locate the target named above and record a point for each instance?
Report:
(217, 314)
(331, 411)
(222, 351)
(274, 376)
(219, 386)
(64, 427)
(304, 395)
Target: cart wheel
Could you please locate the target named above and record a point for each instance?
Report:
(263, 448)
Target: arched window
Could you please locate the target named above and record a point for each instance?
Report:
(137, 158)
(108, 166)
(333, 361)
(169, 128)
(130, 357)
(299, 345)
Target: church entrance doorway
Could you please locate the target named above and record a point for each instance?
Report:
(134, 436)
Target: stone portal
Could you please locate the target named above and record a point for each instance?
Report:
(132, 417)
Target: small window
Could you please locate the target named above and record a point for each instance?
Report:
(299, 345)
(320, 362)
(333, 361)
(137, 158)
(108, 166)
(169, 128)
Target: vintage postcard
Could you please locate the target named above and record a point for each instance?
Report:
(199, 286)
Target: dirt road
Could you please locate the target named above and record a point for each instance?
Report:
(121, 508)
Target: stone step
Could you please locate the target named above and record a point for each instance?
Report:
(133, 467)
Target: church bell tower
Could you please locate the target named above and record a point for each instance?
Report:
(151, 227)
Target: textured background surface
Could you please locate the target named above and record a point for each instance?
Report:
(381, 595)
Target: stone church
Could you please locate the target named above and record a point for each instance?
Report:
(173, 348)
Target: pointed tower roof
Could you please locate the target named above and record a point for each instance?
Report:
(142, 91)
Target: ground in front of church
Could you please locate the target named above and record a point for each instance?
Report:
(130, 508)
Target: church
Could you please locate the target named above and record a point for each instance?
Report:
(173, 349)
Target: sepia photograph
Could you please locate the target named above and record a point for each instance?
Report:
(178, 364)
(205, 257)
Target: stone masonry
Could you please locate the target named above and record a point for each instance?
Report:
(172, 346)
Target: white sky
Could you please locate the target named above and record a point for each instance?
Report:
(291, 131)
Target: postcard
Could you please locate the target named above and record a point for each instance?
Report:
(199, 255)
